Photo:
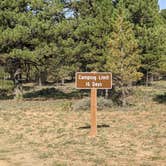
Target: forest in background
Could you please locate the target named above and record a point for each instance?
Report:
(45, 120)
(48, 41)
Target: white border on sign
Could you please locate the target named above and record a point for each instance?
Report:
(92, 73)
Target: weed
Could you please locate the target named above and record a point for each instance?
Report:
(45, 155)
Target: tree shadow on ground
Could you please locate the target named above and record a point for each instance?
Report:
(5, 95)
(161, 98)
(28, 88)
(98, 126)
(53, 93)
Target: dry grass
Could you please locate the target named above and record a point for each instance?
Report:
(42, 133)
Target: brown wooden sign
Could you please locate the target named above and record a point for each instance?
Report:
(90, 80)
(93, 81)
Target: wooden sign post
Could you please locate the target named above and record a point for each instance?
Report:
(93, 112)
(93, 81)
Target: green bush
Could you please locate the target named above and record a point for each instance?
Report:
(66, 106)
(84, 104)
(6, 84)
(6, 89)
(103, 103)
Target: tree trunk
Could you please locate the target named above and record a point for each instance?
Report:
(63, 82)
(27, 72)
(147, 78)
(42, 78)
(106, 94)
(18, 84)
(57, 83)
(18, 92)
(123, 97)
(40, 81)
(151, 79)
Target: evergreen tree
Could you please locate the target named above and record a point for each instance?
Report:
(28, 33)
(162, 64)
(91, 28)
(148, 28)
(123, 59)
(163, 15)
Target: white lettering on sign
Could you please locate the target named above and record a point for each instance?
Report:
(87, 84)
(95, 84)
(104, 77)
(98, 80)
(87, 77)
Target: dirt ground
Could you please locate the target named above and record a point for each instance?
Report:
(41, 133)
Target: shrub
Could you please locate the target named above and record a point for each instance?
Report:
(6, 89)
(6, 84)
(84, 104)
(103, 103)
(66, 106)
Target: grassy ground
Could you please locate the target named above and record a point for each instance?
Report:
(47, 133)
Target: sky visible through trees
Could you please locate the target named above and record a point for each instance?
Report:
(162, 4)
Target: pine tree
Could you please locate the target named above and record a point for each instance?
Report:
(91, 28)
(148, 28)
(162, 64)
(123, 59)
(28, 33)
(163, 15)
